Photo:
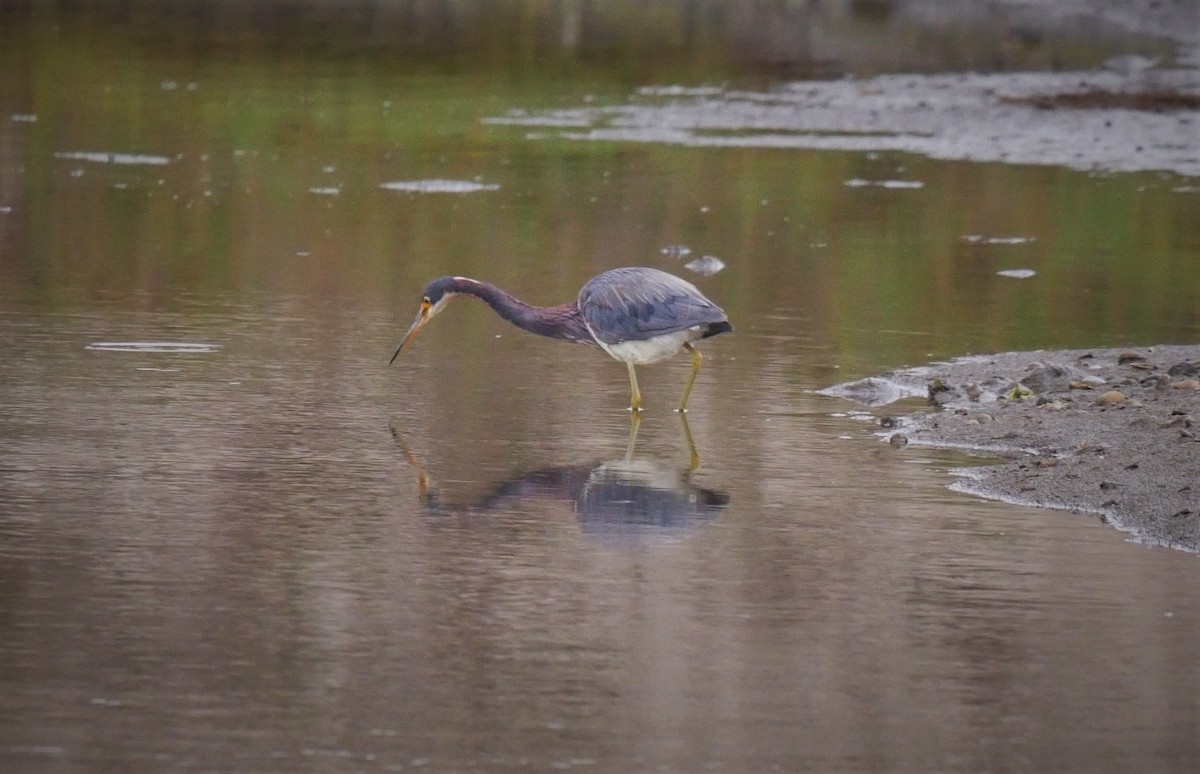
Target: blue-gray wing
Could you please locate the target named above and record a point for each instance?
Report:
(634, 304)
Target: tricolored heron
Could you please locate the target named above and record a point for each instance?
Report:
(635, 314)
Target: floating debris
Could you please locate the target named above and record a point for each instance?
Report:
(24, 118)
(1017, 273)
(113, 158)
(1130, 64)
(980, 239)
(440, 186)
(180, 347)
(706, 265)
(679, 91)
(678, 252)
(858, 182)
(565, 119)
(325, 191)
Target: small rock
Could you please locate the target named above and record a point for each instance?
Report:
(939, 393)
(1079, 385)
(1050, 377)
(1187, 384)
(898, 440)
(1018, 392)
(1156, 382)
(1129, 356)
(1184, 369)
(1111, 398)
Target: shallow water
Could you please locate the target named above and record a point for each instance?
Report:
(233, 538)
(281, 552)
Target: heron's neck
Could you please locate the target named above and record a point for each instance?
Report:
(557, 322)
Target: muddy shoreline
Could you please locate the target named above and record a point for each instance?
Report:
(1112, 432)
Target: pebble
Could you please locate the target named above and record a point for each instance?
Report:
(1111, 398)
(1184, 369)
(1187, 384)
(939, 393)
(898, 440)
(1042, 378)
(1129, 356)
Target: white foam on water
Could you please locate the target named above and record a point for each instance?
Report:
(113, 158)
(439, 186)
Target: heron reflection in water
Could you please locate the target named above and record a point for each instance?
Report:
(628, 497)
(637, 315)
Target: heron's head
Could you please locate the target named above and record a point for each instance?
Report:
(433, 300)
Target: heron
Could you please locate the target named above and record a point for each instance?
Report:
(636, 314)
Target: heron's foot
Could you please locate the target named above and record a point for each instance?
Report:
(634, 409)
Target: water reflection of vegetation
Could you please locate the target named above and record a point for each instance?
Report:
(631, 496)
(666, 38)
(251, 128)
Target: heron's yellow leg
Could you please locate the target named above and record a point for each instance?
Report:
(687, 388)
(635, 403)
(693, 455)
(635, 421)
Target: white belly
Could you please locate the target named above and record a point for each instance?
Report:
(650, 350)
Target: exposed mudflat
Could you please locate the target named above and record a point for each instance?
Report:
(1114, 432)
(1107, 121)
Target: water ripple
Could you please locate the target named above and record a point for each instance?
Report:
(185, 347)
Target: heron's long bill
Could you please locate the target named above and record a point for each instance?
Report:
(422, 318)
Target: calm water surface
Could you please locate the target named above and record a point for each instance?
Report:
(269, 551)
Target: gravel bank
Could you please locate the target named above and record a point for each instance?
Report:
(1105, 431)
